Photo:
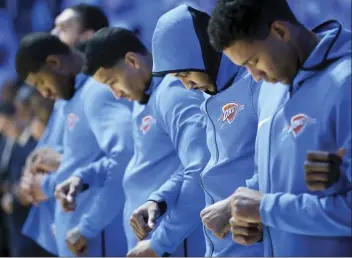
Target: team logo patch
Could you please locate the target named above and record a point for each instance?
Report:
(72, 120)
(147, 123)
(230, 111)
(298, 123)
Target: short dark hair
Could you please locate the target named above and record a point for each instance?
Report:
(234, 20)
(33, 51)
(92, 17)
(108, 46)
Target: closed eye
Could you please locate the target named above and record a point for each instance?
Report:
(254, 62)
(181, 75)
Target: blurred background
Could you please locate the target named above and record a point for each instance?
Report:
(24, 113)
(19, 17)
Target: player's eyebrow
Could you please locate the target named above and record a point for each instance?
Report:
(181, 73)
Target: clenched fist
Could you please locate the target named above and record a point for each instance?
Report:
(216, 218)
(143, 249)
(45, 160)
(143, 219)
(245, 233)
(67, 191)
(322, 169)
(76, 243)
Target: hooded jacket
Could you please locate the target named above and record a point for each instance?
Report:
(314, 113)
(181, 43)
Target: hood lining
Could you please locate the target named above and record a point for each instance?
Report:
(211, 58)
(325, 61)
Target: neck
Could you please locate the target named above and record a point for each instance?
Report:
(77, 61)
(148, 61)
(306, 43)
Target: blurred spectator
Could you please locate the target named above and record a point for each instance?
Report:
(121, 13)
(42, 109)
(8, 120)
(3, 228)
(9, 90)
(8, 48)
(203, 5)
(32, 15)
(7, 112)
(67, 3)
(24, 112)
(139, 16)
(313, 12)
(42, 16)
(17, 128)
(9, 133)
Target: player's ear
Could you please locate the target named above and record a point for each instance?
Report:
(132, 59)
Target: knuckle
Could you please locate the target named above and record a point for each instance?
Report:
(236, 207)
(307, 165)
(240, 189)
(309, 181)
(246, 241)
(153, 210)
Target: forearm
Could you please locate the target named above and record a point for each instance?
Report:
(105, 206)
(185, 212)
(169, 191)
(97, 173)
(308, 214)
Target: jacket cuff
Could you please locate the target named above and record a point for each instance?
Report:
(86, 230)
(157, 247)
(253, 183)
(162, 205)
(156, 198)
(341, 183)
(266, 206)
(83, 176)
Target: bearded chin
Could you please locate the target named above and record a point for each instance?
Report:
(68, 89)
(144, 99)
(210, 93)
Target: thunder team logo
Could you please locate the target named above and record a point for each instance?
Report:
(298, 123)
(147, 123)
(72, 120)
(230, 111)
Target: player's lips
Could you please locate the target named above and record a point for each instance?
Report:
(53, 97)
(271, 80)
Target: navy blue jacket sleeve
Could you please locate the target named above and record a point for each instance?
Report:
(179, 109)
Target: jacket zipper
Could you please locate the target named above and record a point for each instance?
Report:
(201, 179)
